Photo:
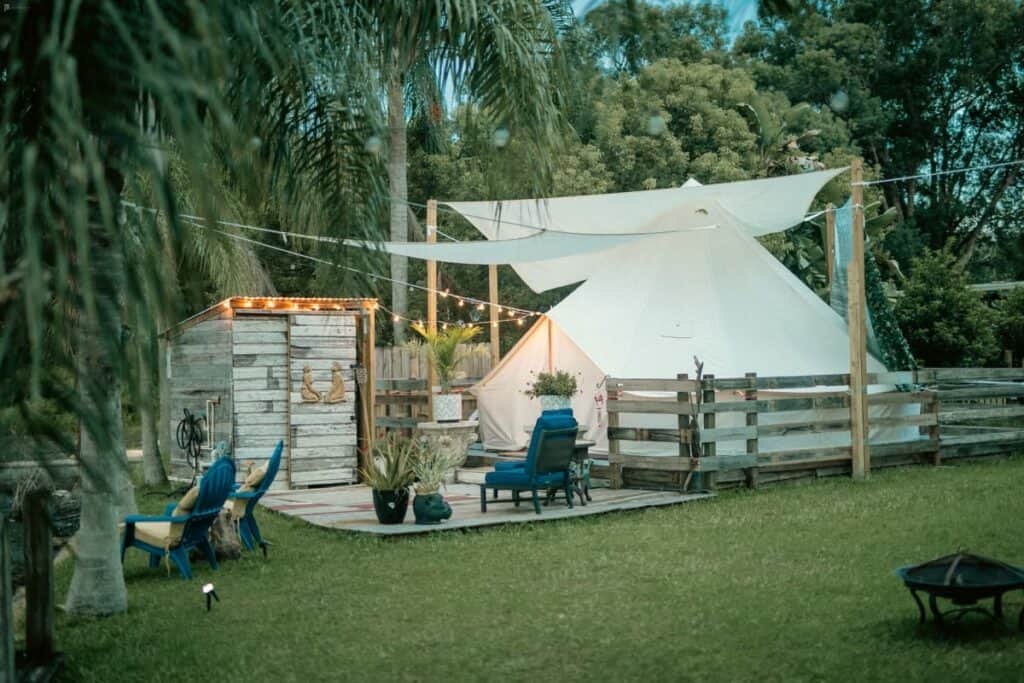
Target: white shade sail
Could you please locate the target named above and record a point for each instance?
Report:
(534, 248)
(754, 207)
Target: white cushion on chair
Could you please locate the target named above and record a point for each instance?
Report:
(158, 534)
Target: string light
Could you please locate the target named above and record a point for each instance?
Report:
(270, 304)
(461, 303)
(479, 307)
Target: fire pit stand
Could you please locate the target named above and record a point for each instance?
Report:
(963, 579)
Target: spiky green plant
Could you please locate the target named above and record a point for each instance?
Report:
(445, 349)
(391, 467)
(431, 466)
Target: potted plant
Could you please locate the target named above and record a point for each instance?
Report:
(390, 474)
(430, 468)
(554, 389)
(444, 354)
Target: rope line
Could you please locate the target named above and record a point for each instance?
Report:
(938, 173)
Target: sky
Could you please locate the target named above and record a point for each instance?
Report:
(740, 11)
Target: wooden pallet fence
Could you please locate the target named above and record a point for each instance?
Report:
(737, 410)
(402, 399)
(402, 403)
(980, 410)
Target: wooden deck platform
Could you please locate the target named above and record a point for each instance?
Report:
(350, 508)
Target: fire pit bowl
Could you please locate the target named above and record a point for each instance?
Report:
(964, 579)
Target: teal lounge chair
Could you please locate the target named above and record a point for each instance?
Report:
(546, 466)
(244, 503)
(173, 536)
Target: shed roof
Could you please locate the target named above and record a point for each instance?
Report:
(265, 304)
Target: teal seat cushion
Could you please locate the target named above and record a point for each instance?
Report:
(521, 478)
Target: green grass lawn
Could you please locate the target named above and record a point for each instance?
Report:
(789, 582)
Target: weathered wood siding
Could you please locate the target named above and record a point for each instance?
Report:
(259, 358)
(323, 435)
(198, 369)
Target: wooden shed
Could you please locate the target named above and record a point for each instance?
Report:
(267, 368)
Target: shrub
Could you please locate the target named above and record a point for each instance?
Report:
(946, 324)
(1010, 322)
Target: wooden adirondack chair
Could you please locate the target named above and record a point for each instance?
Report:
(244, 503)
(171, 535)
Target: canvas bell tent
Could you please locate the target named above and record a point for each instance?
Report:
(666, 276)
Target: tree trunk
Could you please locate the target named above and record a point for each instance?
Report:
(971, 241)
(97, 586)
(152, 466)
(399, 194)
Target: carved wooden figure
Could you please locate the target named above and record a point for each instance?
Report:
(337, 392)
(309, 394)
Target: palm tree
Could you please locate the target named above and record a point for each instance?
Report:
(503, 56)
(280, 98)
(275, 94)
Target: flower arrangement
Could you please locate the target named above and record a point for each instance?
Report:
(559, 383)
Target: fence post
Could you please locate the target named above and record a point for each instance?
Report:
(933, 430)
(707, 479)
(750, 394)
(860, 458)
(39, 579)
(6, 606)
(614, 467)
(683, 421)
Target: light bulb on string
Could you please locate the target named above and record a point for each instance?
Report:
(462, 303)
(519, 322)
(479, 307)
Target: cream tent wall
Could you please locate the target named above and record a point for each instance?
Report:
(653, 306)
(506, 412)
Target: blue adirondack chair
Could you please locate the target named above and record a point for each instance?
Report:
(247, 527)
(546, 465)
(167, 535)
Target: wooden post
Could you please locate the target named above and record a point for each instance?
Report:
(431, 297)
(706, 480)
(614, 467)
(39, 579)
(685, 425)
(371, 377)
(492, 286)
(933, 430)
(861, 464)
(750, 394)
(6, 606)
(830, 242)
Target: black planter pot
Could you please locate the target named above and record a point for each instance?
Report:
(391, 506)
(431, 508)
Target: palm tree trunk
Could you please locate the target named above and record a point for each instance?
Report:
(152, 466)
(398, 185)
(97, 586)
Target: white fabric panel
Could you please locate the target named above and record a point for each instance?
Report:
(756, 207)
(537, 247)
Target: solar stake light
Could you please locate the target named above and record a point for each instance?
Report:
(209, 592)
